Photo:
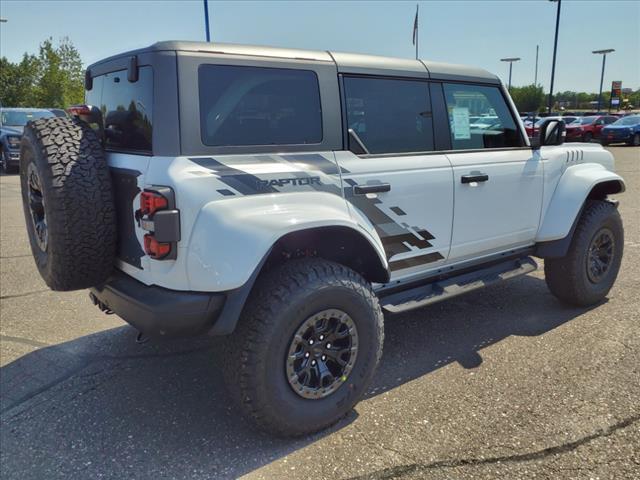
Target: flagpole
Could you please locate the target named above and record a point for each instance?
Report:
(417, 28)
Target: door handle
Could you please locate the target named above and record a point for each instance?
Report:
(476, 177)
(376, 188)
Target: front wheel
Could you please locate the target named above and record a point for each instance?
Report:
(587, 137)
(586, 274)
(306, 347)
(635, 140)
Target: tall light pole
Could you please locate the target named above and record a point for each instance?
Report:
(604, 58)
(555, 49)
(535, 79)
(206, 19)
(510, 60)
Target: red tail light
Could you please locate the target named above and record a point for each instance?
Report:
(79, 110)
(158, 216)
(151, 202)
(155, 249)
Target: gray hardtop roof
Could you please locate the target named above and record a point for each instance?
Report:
(345, 62)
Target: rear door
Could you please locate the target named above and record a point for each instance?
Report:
(392, 174)
(497, 178)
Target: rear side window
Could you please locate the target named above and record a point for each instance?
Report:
(126, 109)
(389, 115)
(242, 106)
(480, 118)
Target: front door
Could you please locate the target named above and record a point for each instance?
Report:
(395, 179)
(497, 179)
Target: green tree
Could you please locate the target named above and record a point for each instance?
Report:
(53, 78)
(61, 81)
(528, 98)
(18, 81)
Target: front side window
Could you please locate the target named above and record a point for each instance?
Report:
(480, 118)
(126, 109)
(389, 115)
(258, 106)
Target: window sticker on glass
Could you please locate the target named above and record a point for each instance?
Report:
(461, 130)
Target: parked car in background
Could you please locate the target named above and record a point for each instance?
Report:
(58, 112)
(534, 129)
(585, 129)
(625, 129)
(12, 121)
(529, 120)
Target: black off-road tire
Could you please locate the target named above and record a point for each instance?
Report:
(67, 159)
(256, 353)
(568, 277)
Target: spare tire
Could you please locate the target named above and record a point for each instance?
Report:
(68, 203)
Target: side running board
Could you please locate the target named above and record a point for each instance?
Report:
(436, 291)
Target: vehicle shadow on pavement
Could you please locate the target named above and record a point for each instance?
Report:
(103, 405)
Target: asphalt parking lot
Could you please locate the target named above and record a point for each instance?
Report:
(504, 382)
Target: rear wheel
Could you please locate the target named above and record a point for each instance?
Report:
(586, 274)
(587, 137)
(306, 347)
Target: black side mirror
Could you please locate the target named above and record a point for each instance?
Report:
(88, 80)
(552, 132)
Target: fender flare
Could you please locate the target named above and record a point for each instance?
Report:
(576, 185)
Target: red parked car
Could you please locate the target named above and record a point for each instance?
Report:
(534, 129)
(585, 129)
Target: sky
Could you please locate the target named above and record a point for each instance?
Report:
(476, 33)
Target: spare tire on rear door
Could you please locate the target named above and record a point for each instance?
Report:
(68, 203)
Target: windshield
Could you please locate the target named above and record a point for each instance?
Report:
(632, 120)
(19, 118)
(584, 121)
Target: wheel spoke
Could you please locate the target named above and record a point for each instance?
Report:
(324, 374)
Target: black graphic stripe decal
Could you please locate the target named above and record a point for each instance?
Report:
(243, 182)
(396, 237)
(415, 261)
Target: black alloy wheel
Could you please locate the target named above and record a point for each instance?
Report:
(322, 354)
(36, 207)
(600, 256)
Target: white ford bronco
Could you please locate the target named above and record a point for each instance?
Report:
(286, 198)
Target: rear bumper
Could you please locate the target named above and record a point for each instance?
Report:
(157, 311)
